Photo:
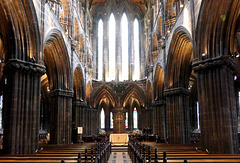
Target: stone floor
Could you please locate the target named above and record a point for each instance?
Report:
(119, 157)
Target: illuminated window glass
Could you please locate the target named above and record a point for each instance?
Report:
(111, 120)
(126, 121)
(135, 118)
(124, 27)
(239, 99)
(136, 51)
(100, 49)
(112, 48)
(102, 119)
(198, 119)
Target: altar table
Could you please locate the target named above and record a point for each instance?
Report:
(119, 139)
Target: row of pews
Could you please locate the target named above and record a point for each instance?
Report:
(155, 152)
(80, 153)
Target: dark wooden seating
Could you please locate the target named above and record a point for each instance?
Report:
(155, 152)
(85, 152)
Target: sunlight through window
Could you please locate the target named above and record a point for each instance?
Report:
(102, 119)
(124, 27)
(111, 120)
(100, 49)
(135, 118)
(136, 51)
(126, 121)
(112, 48)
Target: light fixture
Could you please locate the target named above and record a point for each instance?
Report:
(48, 89)
(203, 56)
(235, 77)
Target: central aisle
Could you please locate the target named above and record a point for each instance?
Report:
(119, 155)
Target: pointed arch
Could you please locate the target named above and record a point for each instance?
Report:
(179, 59)
(158, 83)
(104, 91)
(56, 59)
(133, 92)
(149, 94)
(78, 84)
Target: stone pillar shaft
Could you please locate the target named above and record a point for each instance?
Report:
(218, 115)
(21, 107)
(159, 118)
(61, 123)
(178, 121)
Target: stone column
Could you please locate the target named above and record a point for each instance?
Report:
(159, 114)
(218, 115)
(178, 121)
(78, 107)
(119, 116)
(21, 106)
(61, 122)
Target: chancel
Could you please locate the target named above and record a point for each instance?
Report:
(115, 80)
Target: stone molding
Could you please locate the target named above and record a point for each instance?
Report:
(176, 91)
(222, 61)
(27, 67)
(159, 102)
(59, 92)
(80, 103)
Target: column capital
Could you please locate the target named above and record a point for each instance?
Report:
(221, 61)
(80, 103)
(28, 67)
(159, 102)
(59, 92)
(176, 91)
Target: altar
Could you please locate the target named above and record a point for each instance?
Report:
(119, 139)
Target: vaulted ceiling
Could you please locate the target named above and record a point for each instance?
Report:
(140, 3)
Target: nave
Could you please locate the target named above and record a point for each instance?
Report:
(139, 152)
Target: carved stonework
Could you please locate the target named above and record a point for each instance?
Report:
(59, 92)
(80, 103)
(27, 67)
(176, 91)
(160, 102)
(214, 62)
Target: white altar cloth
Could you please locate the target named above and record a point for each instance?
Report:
(119, 139)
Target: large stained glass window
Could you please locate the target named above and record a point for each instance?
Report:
(126, 121)
(111, 120)
(102, 119)
(124, 28)
(136, 74)
(135, 118)
(198, 119)
(100, 49)
(112, 47)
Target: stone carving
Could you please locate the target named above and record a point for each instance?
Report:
(59, 92)
(214, 62)
(176, 91)
(24, 66)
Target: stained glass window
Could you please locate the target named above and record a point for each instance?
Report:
(198, 119)
(102, 119)
(112, 44)
(124, 28)
(135, 118)
(126, 121)
(136, 51)
(111, 120)
(100, 49)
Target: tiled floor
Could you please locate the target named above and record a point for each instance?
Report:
(119, 157)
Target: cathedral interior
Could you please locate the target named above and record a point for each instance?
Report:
(169, 67)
